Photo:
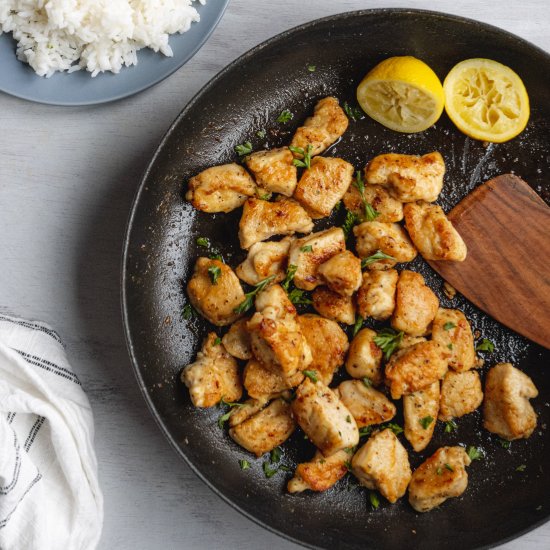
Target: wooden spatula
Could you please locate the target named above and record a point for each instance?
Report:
(506, 227)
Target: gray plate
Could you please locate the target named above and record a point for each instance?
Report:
(18, 79)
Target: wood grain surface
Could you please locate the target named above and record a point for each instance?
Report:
(67, 179)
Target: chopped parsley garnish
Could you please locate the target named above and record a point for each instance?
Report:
(275, 455)
(521, 468)
(365, 431)
(217, 341)
(285, 468)
(311, 374)
(450, 345)
(311, 68)
(290, 272)
(485, 345)
(450, 426)
(449, 467)
(266, 196)
(353, 112)
(337, 207)
(285, 116)
(388, 340)
(426, 421)
(439, 471)
(269, 472)
(299, 297)
(203, 241)
(474, 453)
(225, 417)
(505, 444)
(306, 248)
(374, 500)
(395, 428)
(449, 326)
(248, 301)
(261, 134)
(378, 255)
(214, 273)
(348, 419)
(347, 464)
(370, 213)
(305, 161)
(367, 382)
(351, 220)
(243, 149)
(188, 312)
(357, 326)
(244, 464)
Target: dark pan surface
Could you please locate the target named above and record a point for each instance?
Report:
(500, 502)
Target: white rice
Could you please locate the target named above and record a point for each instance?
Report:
(96, 35)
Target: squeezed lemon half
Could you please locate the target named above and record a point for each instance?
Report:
(486, 100)
(402, 93)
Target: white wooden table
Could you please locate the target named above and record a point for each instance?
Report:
(67, 179)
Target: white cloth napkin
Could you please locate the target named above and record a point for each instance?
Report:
(49, 493)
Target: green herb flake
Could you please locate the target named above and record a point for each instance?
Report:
(367, 382)
(275, 455)
(450, 426)
(285, 116)
(261, 134)
(357, 326)
(474, 453)
(337, 207)
(350, 221)
(311, 68)
(504, 443)
(374, 500)
(269, 472)
(306, 248)
(485, 345)
(348, 419)
(449, 326)
(217, 341)
(449, 467)
(450, 345)
(285, 468)
(225, 417)
(395, 428)
(426, 421)
(243, 149)
(311, 374)
(299, 297)
(266, 196)
(521, 468)
(305, 161)
(290, 272)
(353, 112)
(388, 340)
(365, 431)
(204, 242)
(214, 273)
(378, 255)
(370, 213)
(188, 312)
(347, 464)
(248, 301)
(244, 464)
(439, 471)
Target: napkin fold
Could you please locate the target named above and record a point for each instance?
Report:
(49, 493)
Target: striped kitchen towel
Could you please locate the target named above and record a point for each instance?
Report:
(49, 493)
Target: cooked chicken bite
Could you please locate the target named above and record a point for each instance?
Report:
(389, 210)
(461, 394)
(382, 464)
(408, 341)
(506, 408)
(376, 295)
(215, 291)
(415, 305)
(420, 410)
(452, 330)
(265, 259)
(321, 130)
(274, 170)
(320, 473)
(365, 357)
(214, 375)
(323, 185)
(237, 340)
(389, 238)
(328, 344)
(416, 367)
(220, 188)
(243, 411)
(309, 252)
(263, 219)
(433, 233)
(342, 273)
(263, 383)
(265, 430)
(438, 478)
(333, 306)
(323, 417)
(409, 178)
(367, 405)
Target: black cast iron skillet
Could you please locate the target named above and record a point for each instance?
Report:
(501, 501)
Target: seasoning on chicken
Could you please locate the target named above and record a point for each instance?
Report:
(215, 291)
(367, 405)
(265, 259)
(323, 417)
(389, 238)
(328, 344)
(214, 375)
(342, 273)
(309, 252)
(266, 429)
(321, 130)
(461, 394)
(408, 341)
(420, 410)
(220, 188)
(415, 306)
(432, 232)
(365, 357)
(323, 185)
(416, 367)
(507, 411)
(382, 464)
(263, 219)
(408, 178)
(438, 478)
(376, 295)
(274, 170)
(388, 209)
(320, 473)
(452, 330)
(237, 340)
(263, 383)
(333, 306)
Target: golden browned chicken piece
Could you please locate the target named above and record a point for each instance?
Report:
(213, 375)
(376, 295)
(246, 410)
(438, 478)
(342, 273)
(320, 473)
(420, 410)
(265, 259)
(432, 232)
(408, 341)
(388, 209)
(415, 305)
(389, 238)
(273, 170)
(263, 219)
(452, 330)
(215, 291)
(237, 340)
(506, 408)
(323, 417)
(382, 464)
(266, 429)
(321, 130)
(416, 367)
(328, 344)
(461, 394)
(367, 405)
(309, 252)
(333, 306)
(365, 357)
(323, 185)
(263, 383)
(220, 188)
(408, 178)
